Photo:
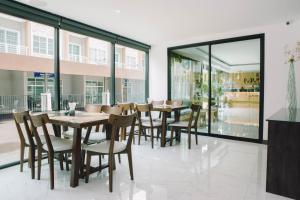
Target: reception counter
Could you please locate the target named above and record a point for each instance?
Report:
(283, 162)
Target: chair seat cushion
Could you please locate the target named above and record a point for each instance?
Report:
(169, 120)
(103, 147)
(43, 139)
(95, 136)
(60, 145)
(69, 133)
(180, 124)
(154, 123)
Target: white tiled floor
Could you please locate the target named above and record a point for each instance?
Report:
(215, 169)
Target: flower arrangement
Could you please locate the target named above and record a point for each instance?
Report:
(293, 55)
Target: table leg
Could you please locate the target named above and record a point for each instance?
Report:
(164, 130)
(76, 157)
(57, 130)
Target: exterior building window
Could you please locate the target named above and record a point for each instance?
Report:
(43, 45)
(74, 52)
(98, 56)
(9, 41)
(93, 91)
(131, 61)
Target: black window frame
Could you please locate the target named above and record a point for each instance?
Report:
(58, 22)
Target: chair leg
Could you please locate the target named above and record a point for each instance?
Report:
(100, 163)
(32, 161)
(51, 166)
(67, 162)
(196, 136)
(189, 139)
(29, 157)
(140, 134)
(22, 151)
(119, 157)
(130, 163)
(39, 163)
(172, 135)
(152, 139)
(88, 165)
(61, 161)
(145, 134)
(110, 169)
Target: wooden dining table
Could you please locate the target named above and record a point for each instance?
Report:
(78, 122)
(166, 110)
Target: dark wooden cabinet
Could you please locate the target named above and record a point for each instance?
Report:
(283, 163)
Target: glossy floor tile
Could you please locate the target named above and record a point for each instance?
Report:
(214, 169)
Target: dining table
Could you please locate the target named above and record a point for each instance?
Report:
(167, 110)
(78, 122)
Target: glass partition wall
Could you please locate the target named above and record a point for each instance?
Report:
(70, 60)
(226, 78)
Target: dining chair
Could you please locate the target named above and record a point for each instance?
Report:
(173, 103)
(127, 109)
(145, 109)
(58, 146)
(157, 103)
(112, 147)
(187, 125)
(27, 140)
(20, 119)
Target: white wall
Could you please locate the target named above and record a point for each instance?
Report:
(276, 71)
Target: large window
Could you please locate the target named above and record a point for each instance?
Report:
(85, 69)
(130, 75)
(27, 54)
(23, 68)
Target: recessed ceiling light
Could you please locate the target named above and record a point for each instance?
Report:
(117, 11)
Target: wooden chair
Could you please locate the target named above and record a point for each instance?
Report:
(173, 103)
(112, 147)
(27, 140)
(187, 125)
(58, 146)
(127, 109)
(149, 124)
(157, 103)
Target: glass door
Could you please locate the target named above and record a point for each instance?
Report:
(235, 88)
(189, 80)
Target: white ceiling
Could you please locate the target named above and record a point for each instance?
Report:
(158, 21)
(229, 57)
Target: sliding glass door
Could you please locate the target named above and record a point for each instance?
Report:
(225, 78)
(235, 88)
(189, 80)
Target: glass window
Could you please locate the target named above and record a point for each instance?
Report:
(23, 80)
(85, 69)
(74, 52)
(130, 78)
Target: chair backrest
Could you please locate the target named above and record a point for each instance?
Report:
(21, 119)
(127, 108)
(121, 121)
(93, 108)
(194, 116)
(157, 103)
(40, 121)
(174, 102)
(111, 110)
(144, 108)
